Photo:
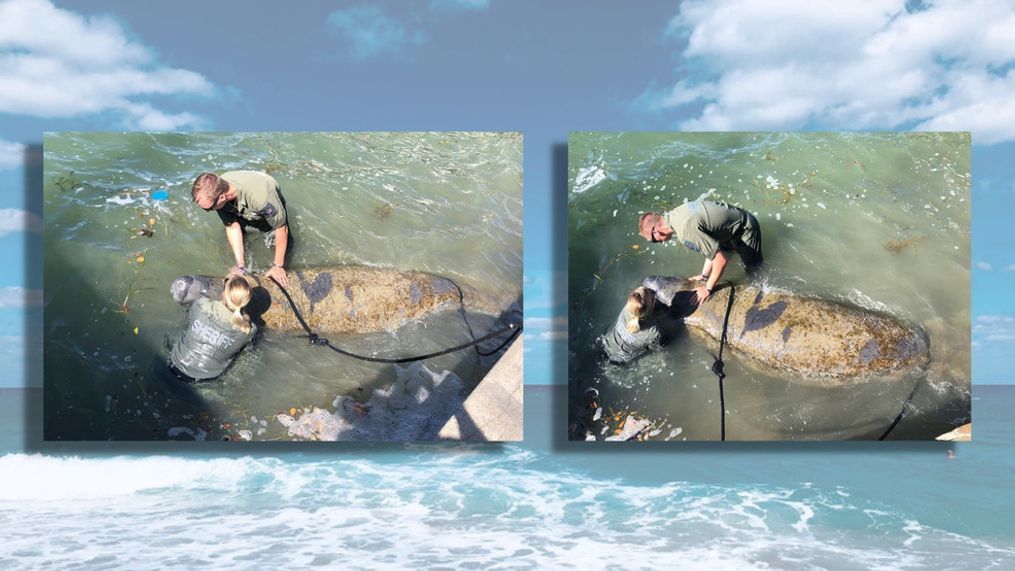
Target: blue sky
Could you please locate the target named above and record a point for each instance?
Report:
(543, 68)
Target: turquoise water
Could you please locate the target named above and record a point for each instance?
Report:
(445, 203)
(543, 503)
(875, 220)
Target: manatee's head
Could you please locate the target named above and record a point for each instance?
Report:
(187, 288)
(675, 293)
(666, 287)
(180, 289)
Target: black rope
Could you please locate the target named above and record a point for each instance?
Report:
(717, 366)
(316, 339)
(502, 345)
(902, 413)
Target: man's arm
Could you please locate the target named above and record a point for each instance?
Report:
(705, 271)
(234, 235)
(718, 265)
(277, 270)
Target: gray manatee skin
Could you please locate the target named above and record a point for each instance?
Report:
(341, 299)
(809, 338)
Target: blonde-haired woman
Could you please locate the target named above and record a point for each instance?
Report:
(635, 332)
(216, 331)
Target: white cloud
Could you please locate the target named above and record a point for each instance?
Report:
(984, 266)
(552, 336)
(371, 32)
(1009, 268)
(547, 328)
(993, 329)
(846, 65)
(994, 319)
(546, 322)
(12, 155)
(55, 63)
(459, 5)
(15, 220)
(19, 297)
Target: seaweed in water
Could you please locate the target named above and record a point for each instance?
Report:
(383, 211)
(896, 246)
(65, 182)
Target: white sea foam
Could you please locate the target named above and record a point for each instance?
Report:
(465, 508)
(588, 177)
(37, 478)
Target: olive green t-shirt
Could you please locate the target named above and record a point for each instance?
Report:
(257, 198)
(703, 226)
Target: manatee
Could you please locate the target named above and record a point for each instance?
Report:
(809, 338)
(342, 299)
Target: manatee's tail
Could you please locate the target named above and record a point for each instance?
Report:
(187, 288)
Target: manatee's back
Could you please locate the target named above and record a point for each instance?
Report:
(357, 299)
(813, 338)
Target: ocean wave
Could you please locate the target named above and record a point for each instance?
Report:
(469, 508)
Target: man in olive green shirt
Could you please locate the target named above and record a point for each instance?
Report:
(246, 198)
(711, 229)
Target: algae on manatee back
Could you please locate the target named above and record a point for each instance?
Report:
(811, 339)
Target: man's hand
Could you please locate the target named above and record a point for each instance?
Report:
(701, 294)
(236, 271)
(278, 272)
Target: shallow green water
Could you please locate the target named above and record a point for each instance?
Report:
(444, 203)
(878, 220)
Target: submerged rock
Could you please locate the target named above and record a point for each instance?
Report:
(413, 408)
(963, 433)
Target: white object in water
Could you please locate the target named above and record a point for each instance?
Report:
(588, 177)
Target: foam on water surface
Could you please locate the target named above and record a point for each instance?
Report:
(442, 510)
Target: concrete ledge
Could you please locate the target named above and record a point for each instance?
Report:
(963, 433)
(493, 411)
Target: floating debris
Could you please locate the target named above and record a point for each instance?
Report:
(383, 211)
(857, 164)
(633, 428)
(897, 246)
(66, 182)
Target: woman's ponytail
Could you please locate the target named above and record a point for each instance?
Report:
(639, 306)
(236, 296)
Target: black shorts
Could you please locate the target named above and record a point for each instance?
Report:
(748, 246)
(180, 374)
